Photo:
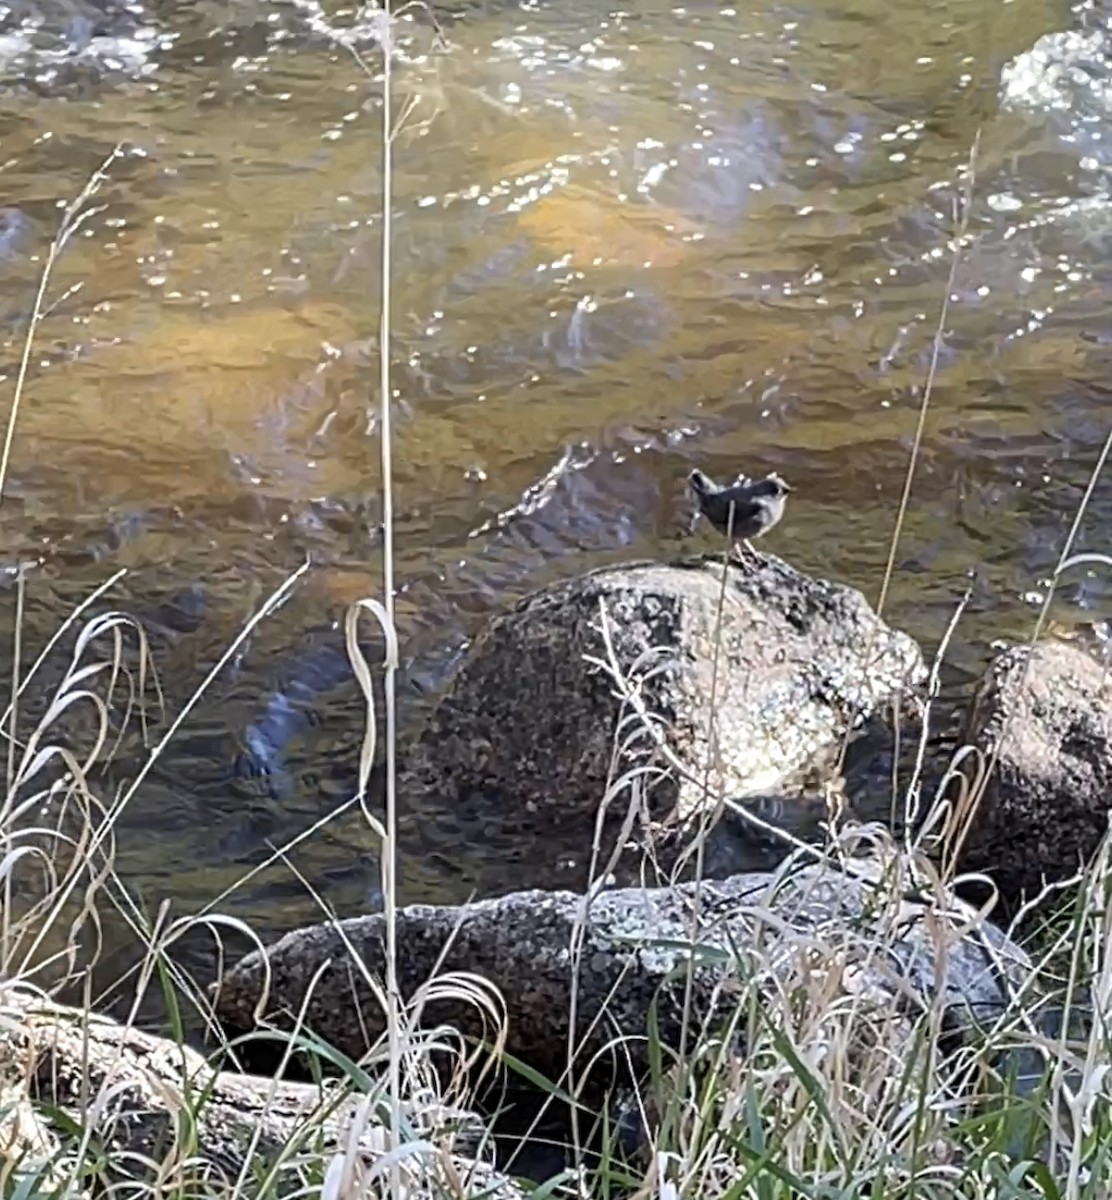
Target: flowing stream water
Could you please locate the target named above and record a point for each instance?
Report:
(626, 242)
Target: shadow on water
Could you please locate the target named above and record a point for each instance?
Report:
(625, 244)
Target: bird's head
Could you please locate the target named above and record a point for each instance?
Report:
(771, 487)
(701, 485)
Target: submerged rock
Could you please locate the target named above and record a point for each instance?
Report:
(1045, 715)
(529, 722)
(623, 953)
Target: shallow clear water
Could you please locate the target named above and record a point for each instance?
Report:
(625, 243)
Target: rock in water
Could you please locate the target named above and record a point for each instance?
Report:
(530, 719)
(588, 974)
(1045, 714)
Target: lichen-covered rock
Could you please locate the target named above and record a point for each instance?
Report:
(529, 721)
(624, 952)
(1044, 714)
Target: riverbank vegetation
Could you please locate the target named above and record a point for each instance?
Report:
(837, 1093)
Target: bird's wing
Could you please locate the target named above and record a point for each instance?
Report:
(745, 507)
(740, 493)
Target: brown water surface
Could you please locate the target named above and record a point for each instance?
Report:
(626, 242)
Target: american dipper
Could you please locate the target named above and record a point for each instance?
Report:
(746, 509)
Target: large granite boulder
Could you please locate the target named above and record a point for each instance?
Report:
(529, 722)
(1042, 718)
(626, 949)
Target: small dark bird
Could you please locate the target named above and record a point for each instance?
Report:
(746, 509)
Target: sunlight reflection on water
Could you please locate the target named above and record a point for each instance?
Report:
(624, 243)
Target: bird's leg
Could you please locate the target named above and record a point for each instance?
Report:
(749, 553)
(736, 542)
